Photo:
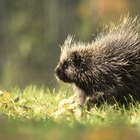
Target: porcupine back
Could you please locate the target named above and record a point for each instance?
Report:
(118, 60)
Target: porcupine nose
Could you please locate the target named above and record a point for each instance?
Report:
(57, 71)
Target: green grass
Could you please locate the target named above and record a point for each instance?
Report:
(33, 114)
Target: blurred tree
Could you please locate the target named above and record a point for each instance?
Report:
(4, 37)
(93, 13)
(32, 31)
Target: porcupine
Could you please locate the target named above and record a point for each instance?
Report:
(108, 68)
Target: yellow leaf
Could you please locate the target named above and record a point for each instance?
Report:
(4, 105)
(6, 97)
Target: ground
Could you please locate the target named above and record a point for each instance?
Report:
(40, 113)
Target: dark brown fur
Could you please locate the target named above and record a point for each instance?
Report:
(108, 68)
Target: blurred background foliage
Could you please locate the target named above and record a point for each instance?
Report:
(31, 32)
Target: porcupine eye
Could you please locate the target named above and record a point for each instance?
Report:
(65, 65)
(76, 59)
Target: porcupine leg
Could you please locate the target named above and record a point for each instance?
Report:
(98, 99)
(80, 98)
(94, 100)
(112, 98)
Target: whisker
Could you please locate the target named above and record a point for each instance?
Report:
(52, 81)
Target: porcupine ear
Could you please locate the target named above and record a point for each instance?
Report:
(76, 58)
(67, 43)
